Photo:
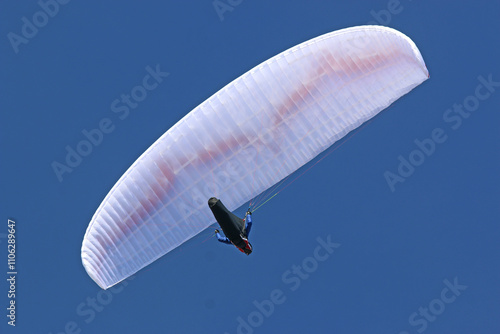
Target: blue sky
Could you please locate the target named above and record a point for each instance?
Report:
(422, 257)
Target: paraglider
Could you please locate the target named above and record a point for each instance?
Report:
(236, 230)
(244, 139)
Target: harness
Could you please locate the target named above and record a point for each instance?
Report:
(245, 246)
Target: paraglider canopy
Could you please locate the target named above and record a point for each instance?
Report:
(248, 136)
